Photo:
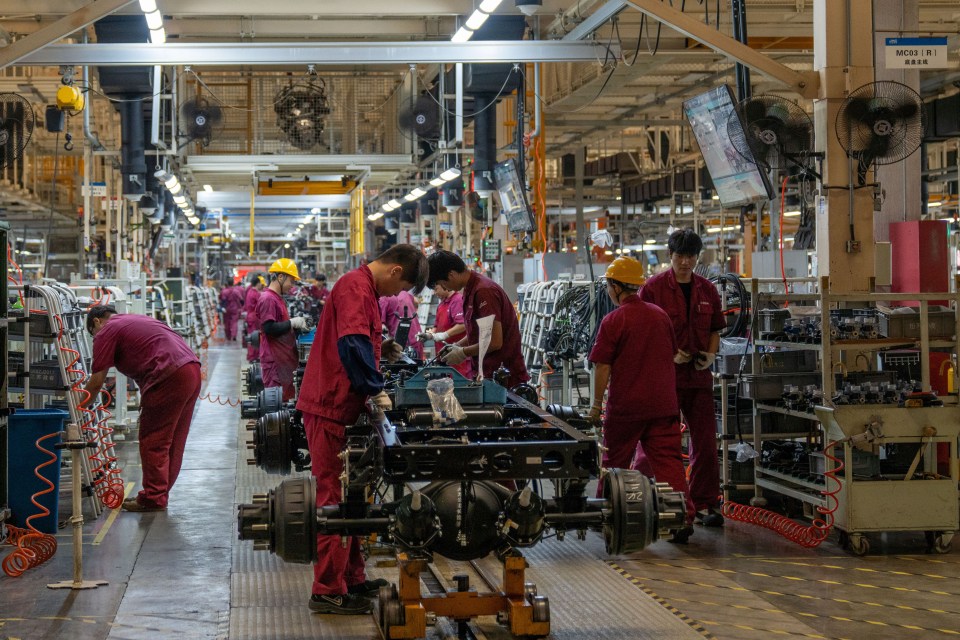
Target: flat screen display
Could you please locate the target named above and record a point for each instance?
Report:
(513, 196)
(738, 181)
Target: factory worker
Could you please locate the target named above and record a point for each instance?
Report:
(278, 339)
(232, 301)
(482, 297)
(168, 374)
(319, 291)
(252, 294)
(694, 307)
(633, 353)
(395, 308)
(449, 327)
(342, 373)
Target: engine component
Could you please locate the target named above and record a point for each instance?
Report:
(279, 442)
(253, 382)
(423, 417)
(472, 518)
(268, 400)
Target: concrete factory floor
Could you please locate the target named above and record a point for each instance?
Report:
(183, 574)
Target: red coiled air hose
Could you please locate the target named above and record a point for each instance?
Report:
(33, 547)
(808, 536)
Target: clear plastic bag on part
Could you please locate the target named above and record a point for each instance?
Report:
(446, 407)
(745, 452)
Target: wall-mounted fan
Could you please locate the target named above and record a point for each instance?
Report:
(301, 111)
(200, 120)
(17, 120)
(880, 123)
(421, 117)
(777, 134)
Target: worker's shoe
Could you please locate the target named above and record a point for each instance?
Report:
(682, 535)
(368, 588)
(133, 505)
(346, 604)
(709, 518)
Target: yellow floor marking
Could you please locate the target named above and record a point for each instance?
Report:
(111, 517)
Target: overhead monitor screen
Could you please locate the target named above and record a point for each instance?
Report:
(513, 196)
(737, 179)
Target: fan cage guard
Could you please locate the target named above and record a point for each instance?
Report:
(362, 118)
(749, 139)
(855, 135)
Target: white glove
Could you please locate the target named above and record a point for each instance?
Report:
(299, 323)
(439, 336)
(453, 355)
(390, 350)
(382, 401)
(682, 357)
(704, 360)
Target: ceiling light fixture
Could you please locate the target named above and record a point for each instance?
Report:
(158, 36)
(208, 188)
(476, 20)
(373, 217)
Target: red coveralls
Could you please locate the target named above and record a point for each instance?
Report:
(393, 308)
(481, 298)
(253, 324)
(232, 303)
(328, 403)
(450, 313)
(694, 388)
(168, 374)
(278, 354)
(636, 340)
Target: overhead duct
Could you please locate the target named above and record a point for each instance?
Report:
(130, 87)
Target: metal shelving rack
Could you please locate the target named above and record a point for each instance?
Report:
(4, 410)
(866, 504)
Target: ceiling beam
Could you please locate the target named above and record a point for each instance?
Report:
(806, 84)
(318, 53)
(586, 28)
(88, 14)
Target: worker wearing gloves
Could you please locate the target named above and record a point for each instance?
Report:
(694, 307)
(168, 374)
(252, 294)
(449, 324)
(278, 339)
(395, 308)
(342, 373)
(632, 354)
(482, 297)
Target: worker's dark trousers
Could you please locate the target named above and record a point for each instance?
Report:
(337, 568)
(699, 414)
(166, 410)
(230, 325)
(651, 447)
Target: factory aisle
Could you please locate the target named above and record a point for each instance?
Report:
(183, 574)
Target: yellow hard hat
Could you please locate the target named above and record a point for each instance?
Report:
(626, 270)
(262, 280)
(287, 266)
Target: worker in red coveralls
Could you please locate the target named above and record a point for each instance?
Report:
(319, 291)
(694, 307)
(633, 353)
(231, 297)
(168, 375)
(449, 324)
(395, 308)
(252, 323)
(482, 297)
(342, 373)
(278, 331)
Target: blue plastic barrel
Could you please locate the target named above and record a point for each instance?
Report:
(26, 426)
